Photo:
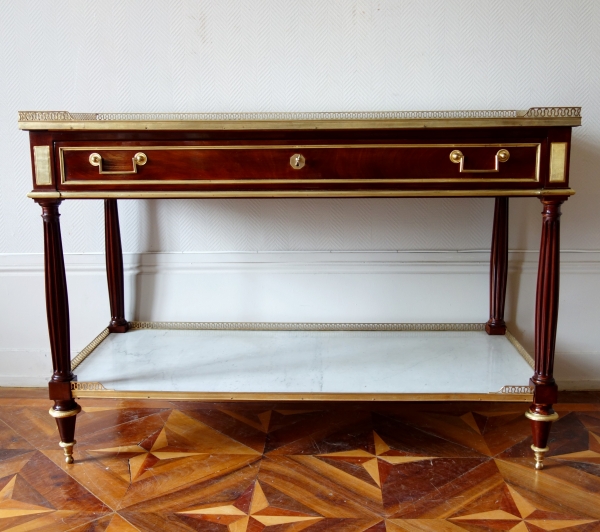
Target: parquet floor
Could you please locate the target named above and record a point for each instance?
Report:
(243, 467)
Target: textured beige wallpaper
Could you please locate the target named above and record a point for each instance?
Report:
(294, 55)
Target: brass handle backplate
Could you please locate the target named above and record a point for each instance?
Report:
(456, 156)
(297, 161)
(139, 159)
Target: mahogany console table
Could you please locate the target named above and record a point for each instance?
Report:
(497, 154)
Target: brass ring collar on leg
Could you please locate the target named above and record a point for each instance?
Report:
(539, 449)
(58, 414)
(534, 416)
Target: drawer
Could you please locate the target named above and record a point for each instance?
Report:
(278, 164)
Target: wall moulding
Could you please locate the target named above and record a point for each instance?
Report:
(301, 283)
(583, 261)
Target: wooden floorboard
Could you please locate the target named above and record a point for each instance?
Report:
(246, 467)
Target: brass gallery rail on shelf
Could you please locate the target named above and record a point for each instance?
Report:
(508, 393)
(373, 154)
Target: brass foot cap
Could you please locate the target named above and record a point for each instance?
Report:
(68, 448)
(539, 456)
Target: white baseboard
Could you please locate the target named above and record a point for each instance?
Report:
(25, 367)
(298, 287)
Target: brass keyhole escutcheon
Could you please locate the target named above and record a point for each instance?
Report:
(297, 161)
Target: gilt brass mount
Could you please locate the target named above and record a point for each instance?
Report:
(539, 456)
(68, 449)
(534, 416)
(502, 156)
(139, 159)
(297, 161)
(59, 414)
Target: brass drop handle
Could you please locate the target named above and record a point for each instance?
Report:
(456, 156)
(139, 159)
(297, 161)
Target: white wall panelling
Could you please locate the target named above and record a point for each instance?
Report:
(298, 287)
(226, 55)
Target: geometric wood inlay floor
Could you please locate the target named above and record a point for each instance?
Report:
(249, 467)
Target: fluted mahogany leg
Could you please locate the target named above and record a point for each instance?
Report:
(114, 267)
(498, 268)
(65, 409)
(545, 395)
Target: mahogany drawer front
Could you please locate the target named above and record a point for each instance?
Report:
(228, 165)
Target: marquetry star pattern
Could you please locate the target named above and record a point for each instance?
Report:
(250, 509)
(370, 461)
(247, 468)
(589, 456)
(35, 494)
(180, 438)
(261, 423)
(142, 460)
(501, 508)
(506, 508)
(11, 506)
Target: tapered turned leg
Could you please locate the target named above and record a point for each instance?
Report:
(545, 392)
(114, 267)
(65, 409)
(498, 268)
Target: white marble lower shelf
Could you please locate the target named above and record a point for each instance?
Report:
(276, 364)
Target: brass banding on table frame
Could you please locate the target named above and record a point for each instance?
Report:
(96, 390)
(297, 162)
(493, 193)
